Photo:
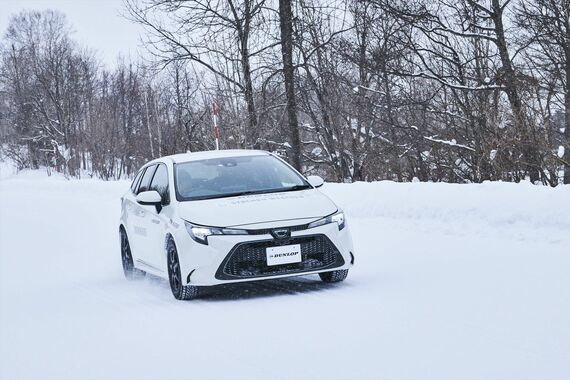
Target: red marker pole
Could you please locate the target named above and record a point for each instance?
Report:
(215, 116)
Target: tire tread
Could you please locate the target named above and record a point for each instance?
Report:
(334, 276)
(186, 292)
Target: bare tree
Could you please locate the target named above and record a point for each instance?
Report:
(352, 90)
(214, 35)
(545, 25)
(286, 27)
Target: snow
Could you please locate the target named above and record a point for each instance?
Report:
(451, 282)
(451, 142)
(6, 170)
(560, 152)
(487, 86)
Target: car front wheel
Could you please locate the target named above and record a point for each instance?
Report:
(334, 276)
(180, 291)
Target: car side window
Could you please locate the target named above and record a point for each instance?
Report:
(136, 181)
(160, 183)
(147, 177)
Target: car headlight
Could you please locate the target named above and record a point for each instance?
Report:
(337, 218)
(200, 233)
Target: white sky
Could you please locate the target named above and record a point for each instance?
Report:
(98, 25)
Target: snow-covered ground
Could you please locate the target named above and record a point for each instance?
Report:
(450, 282)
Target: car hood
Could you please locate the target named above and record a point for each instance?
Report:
(257, 208)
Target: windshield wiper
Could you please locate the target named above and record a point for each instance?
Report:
(252, 192)
(248, 192)
(294, 188)
(267, 191)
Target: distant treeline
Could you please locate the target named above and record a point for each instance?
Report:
(461, 91)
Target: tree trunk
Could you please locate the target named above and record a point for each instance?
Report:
(566, 143)
(528, 148)
(253, 133)
(358, 165)
(148, 125)
(286, 25)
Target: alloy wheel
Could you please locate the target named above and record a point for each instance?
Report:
(174, 269)
(126, 256)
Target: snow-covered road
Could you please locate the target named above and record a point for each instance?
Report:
(450, 282)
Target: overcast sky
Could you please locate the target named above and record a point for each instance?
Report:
(97, 24)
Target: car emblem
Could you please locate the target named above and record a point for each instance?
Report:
(281, 233)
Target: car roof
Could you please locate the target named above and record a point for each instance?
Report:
(208, 154)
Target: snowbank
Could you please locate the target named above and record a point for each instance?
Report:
(7, 170)
(459, 206)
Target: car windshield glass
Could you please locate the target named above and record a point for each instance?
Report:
(234, 176)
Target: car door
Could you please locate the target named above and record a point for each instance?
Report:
(140, 220)
(159, 218)
(130, 208)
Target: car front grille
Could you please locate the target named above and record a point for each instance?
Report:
(248, 259)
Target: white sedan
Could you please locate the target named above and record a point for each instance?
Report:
(207, 218)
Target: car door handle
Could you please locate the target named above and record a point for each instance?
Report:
(155, 221)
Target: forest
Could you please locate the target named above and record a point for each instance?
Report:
(457, 91)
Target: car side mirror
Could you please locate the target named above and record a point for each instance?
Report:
(150, 198)
(315, 180)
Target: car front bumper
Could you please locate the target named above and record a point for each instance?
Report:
(323, 249)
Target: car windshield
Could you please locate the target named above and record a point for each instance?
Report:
(234, 176)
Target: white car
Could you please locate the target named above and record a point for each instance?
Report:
(208, 218)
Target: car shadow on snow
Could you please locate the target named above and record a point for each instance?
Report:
(265, 288)
(256, 289)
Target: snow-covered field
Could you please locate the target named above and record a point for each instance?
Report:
(450, 282)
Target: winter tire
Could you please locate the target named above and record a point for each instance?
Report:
(334, 276)
(127, 258)
(180, 292)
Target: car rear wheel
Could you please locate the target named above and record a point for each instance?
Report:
(180, 291)
(127, 258)
(334, 276)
